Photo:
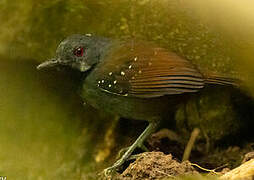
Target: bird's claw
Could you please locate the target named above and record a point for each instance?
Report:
(111, 170)
(107, 172)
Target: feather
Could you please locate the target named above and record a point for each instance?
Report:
(145, 71)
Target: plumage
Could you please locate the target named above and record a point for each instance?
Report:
(132, 79)
(142, 70)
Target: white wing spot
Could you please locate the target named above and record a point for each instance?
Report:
(122, 73)
(136, 58)
(115, 81)
(130, 66)
(109, 85)
(102, 81)
(110, 73)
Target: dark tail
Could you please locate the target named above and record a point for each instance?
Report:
(220, 80)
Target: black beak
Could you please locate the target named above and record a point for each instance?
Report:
(49, 63)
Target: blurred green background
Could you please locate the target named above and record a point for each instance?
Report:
(45, 130)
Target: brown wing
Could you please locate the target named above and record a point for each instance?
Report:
(142, 70)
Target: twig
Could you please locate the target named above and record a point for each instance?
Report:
(189, 146)
(204, 169)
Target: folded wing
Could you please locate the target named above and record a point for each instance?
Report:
(142, 70)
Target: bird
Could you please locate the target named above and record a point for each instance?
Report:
(133, 79)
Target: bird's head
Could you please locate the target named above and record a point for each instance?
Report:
(79, 52)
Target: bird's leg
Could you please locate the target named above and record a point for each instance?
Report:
(138, 143)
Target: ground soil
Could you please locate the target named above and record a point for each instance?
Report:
(164, 159)
(156, 165)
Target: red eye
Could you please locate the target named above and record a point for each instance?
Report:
(79, 51)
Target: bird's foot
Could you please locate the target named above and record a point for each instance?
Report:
(111, 170)
(138, 143)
